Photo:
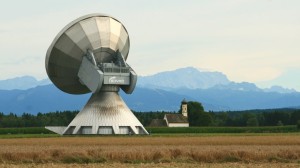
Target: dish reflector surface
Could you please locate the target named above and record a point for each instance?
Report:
(102, 34)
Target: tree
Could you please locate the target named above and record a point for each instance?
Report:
(205, 119)
(252, 122)
(298, 124)
(272, 118)
(295, 116)
(219, 118)
(197, 116)
(1, 118)
(11, 120)
(261, 119)
(249, 119)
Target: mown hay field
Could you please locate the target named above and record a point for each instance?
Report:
(249, 150)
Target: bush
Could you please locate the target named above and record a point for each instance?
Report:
(298, 124)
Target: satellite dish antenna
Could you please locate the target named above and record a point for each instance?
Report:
(89, 55)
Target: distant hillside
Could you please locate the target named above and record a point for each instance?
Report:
(49, 98)
(39, 99)
(160, 92)
(22, 83)
(243, 100)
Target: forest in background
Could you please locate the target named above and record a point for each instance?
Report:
(196, 115)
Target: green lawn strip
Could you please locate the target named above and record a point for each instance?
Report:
(268, 129)
(26, 132)
(9, 136)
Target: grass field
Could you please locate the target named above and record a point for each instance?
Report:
(169, 150)
(173, 130)
(154, 165)
(262, 129)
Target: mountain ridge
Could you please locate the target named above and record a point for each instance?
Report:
(189, 77)
(48, 98)
(192, 78)
(22, 83)
(155, 95)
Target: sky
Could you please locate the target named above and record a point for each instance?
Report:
(248, 40)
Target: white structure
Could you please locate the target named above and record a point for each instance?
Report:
(176, 120)
(173, 120)
(184, 108)
(105, 113)
(89, 55)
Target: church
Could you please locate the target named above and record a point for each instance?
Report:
(173, 120)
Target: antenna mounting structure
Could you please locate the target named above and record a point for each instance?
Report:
(89, 55)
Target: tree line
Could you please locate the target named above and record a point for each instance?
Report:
(196, 116)
(269, 117)
(59, 118)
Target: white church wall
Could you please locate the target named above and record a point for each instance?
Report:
(178, 125)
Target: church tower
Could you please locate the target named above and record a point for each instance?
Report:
(184, 108)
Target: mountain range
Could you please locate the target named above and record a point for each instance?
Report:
(22, 83)
(189, 77)
(159, 92)
(192, 78)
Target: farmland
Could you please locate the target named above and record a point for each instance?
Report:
(160, 150)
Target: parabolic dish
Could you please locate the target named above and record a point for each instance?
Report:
(102, 34)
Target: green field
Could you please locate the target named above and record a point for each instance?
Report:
(269, 129)
(25, 130)
(167, 130)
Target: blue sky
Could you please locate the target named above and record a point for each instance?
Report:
(248, 40)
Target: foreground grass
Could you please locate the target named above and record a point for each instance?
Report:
(158, 165)
(147, 150)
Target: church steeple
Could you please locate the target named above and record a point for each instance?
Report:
(184, 108)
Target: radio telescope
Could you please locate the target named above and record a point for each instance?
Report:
(89, 55)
